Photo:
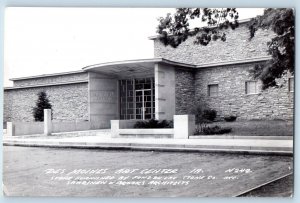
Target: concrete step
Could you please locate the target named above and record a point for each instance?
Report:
(102, 132)
(156, 136)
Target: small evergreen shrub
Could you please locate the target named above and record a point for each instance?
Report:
(41, 104)
(230, 118)
(152, 123)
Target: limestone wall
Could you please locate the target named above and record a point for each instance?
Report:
(237, 47)
(192, 88)
(69, 102)
(184, 91)
(273, 103)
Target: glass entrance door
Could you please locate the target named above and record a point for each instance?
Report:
(137, 99)
(144, 106)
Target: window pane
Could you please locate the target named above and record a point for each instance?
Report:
(291, 84)
(251, 87)
(213, 90)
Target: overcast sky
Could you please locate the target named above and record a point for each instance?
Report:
(50, 40)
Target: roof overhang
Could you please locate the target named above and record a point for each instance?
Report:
(136, 68)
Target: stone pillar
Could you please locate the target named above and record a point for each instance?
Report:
(47, 122)
(115, 126)
(164, 91)
(10, 129)
(184, 126)
(103, 100)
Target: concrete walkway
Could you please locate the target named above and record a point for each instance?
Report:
(102, 140)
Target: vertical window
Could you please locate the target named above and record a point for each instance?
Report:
(291, 84)
(213, 90)
(251, 87)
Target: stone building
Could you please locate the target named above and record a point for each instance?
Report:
(175, 81)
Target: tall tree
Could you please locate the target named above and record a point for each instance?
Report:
(175, 29)
(41, 104)
(281, 47)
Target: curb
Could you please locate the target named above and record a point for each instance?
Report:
(136, 147)
(241, 137)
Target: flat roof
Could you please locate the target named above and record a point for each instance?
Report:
(143, 65)
(247, 60)
(46, 85)
(47, 75)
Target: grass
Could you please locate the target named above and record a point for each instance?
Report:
(258, 127)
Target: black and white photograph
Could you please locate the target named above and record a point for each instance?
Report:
(148, 102)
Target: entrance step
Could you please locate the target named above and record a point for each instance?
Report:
(102, 132)
(154, 136)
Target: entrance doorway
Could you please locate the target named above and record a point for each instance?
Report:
(143, 104)
(137, 99)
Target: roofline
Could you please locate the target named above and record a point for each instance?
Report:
(47, 75)
(248, 60)
(46, 85)
(150, 60)
(154, 60)
(154, 37)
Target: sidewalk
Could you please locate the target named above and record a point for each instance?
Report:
(237, 144)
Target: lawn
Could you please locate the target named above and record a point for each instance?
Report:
(258, 127)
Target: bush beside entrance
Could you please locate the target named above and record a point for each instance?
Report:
(152, 123)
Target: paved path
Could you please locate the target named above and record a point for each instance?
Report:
(103, 140)
(41, 171)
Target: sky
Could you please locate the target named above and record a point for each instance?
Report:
(52, 40)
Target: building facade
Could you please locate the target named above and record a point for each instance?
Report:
(174, 82)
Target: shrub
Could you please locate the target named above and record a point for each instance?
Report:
(230, 118)
(152, 123)
(209, 114)
(215, 130)
(203, 115)
(41, 104)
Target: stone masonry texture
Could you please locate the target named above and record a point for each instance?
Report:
(236, 47)
(69, 102)
(272, 103)
(192, 87)
(184, 91)
(192, 91)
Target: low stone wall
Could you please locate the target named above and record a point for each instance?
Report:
(28, 128)
(34, 128)
(184, 126)
(125, 124)
(68, 126)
